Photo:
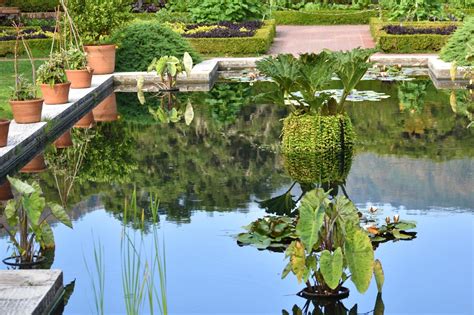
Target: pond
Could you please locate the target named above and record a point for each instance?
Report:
(414, 157)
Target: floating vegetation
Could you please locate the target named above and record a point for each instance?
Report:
(392, 231)
(357, 96)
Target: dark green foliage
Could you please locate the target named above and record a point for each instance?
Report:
(457, 47)
(318, 148)
(257, 44)
(33, 5)
(209, 11)
(324, 17)
(139, 43)
(415, 10)
(418, 43)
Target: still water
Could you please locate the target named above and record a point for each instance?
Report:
(416, 162)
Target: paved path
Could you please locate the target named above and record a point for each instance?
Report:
(301, 39)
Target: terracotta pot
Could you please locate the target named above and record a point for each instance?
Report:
(4, 127)
(27, 112)
(56, 94)
(5, 191)
(36, 165)
(64, 141)
(101, 58)
(80, 79)
(107, 109)
(87, 121)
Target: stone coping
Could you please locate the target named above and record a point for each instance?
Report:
(24, 292)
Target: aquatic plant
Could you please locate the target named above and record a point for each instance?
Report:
(27, 221)
(168, 68)
(330, 243)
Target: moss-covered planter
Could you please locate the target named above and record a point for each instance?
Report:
(318, 148)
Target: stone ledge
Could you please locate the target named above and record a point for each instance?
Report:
(405, 60)
(32, 292)
(441, 70)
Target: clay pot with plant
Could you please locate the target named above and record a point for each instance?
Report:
(35, 165)
(51, 77)
(25, 104)
(27, 224)
(96, 21)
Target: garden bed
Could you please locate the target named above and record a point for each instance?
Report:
(258, 43)
(324, 17)
(413, 37)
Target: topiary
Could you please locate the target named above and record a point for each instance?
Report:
(457, 47)
(140, 42)
(33, 5)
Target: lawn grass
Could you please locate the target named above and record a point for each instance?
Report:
(7, 79)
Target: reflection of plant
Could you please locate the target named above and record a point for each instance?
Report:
(329, 242)
(333, 307)
(109, 155)
(396, 230)
(411, 95)
(226, 101)
(66, 163)
(274, 232)
(462, 103)
(27, 215)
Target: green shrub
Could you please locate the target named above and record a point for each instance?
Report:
(415, 10)
(39, 47)
(417, 43)
(138, 43)
(210, 11)
(96, 20)
(456, 49)
(33, 5)
(323, 17)
(257, 44)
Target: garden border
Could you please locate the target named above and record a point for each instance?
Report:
(419, 43)
(257, 44)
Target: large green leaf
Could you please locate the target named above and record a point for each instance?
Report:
(298, 260)
(360, 259)
(20, 186)
(11, 214)
(379, 275)
(188, 63)
(60, 213)
(34, 206)
(331, 267)
(45, 236)
(311, 220)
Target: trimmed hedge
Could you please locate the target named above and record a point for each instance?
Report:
(39, 47)
(417, 43)
(33, 5)
(257, 44)
(324, 17)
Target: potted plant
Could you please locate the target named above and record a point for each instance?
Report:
(317, 122)
(5, 190)
(330, 244)
(169, 67)
(96, 21)
(77, 70)
(27, 223)
(52, 78)
(26, 106)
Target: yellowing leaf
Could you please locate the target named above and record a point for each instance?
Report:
(188, 63)
(297, 260)
(379, 275)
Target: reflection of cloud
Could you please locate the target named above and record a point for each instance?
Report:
(413, 183)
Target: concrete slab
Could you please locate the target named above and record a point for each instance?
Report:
(441, 70)
(27, 140)
(405, 60)
(24, 292)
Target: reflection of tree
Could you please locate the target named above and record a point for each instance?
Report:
(109, 157)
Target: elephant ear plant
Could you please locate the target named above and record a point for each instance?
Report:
(331, 244)
(168, 68)
(27, 222)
